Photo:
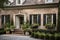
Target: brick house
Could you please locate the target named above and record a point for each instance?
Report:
(35, 11)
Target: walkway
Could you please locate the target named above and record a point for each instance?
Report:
(16, 37)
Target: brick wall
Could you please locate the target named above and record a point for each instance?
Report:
(30, 11)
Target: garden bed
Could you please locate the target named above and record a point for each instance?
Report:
(44, 34)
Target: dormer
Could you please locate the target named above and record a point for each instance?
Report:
(19, 2)
(48, 1)
(8, 3)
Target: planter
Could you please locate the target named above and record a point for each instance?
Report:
(7, 32)
(26, 33)
(12, 31)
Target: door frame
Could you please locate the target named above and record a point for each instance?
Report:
(14, 18)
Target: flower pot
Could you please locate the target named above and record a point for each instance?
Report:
(7, 32)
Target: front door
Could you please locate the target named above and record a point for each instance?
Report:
(19, 21)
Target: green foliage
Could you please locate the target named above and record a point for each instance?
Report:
(25, 26)
(7, 27)
(2, 31)
(57, 35)
(12, 27)
(35, 24)
(50, 26)
(45, 35)
(2, 3)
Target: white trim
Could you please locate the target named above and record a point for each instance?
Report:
(14, 19)
(41, 20)
(33, 19)
(52, 19)
(24, 18)
(17, 2)
(21, 2)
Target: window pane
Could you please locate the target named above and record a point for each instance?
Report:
(2, 19)
(39, 19)
(5, 19)
(34, 19)
(49, 0)
(49, 19)
(18, 1)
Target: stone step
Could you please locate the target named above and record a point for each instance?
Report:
(18, 31)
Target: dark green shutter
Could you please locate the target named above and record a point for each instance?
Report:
(30, 19)
(54, 19)
(44, 19)
(39, 19)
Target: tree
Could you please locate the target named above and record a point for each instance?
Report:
(2, 3)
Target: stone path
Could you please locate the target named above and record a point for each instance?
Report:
(16, 37)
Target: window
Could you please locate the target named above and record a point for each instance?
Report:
(5, 19)
(35, 19)
(48, 1)
(11, 1)
(19, 2)
(49, 18)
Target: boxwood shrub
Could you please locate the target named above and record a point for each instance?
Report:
(2, 31)
(42, 34)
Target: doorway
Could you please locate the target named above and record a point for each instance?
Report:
(19, 20)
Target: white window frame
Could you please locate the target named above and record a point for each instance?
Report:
(21, 2)
(33, 19)
(49, 1)
(51, 19)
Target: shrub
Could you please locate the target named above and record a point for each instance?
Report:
(34, 26)
(57, 36)
(32, 34)
(50, 26)
(25, 26)
(2, 31)
(12, 27)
